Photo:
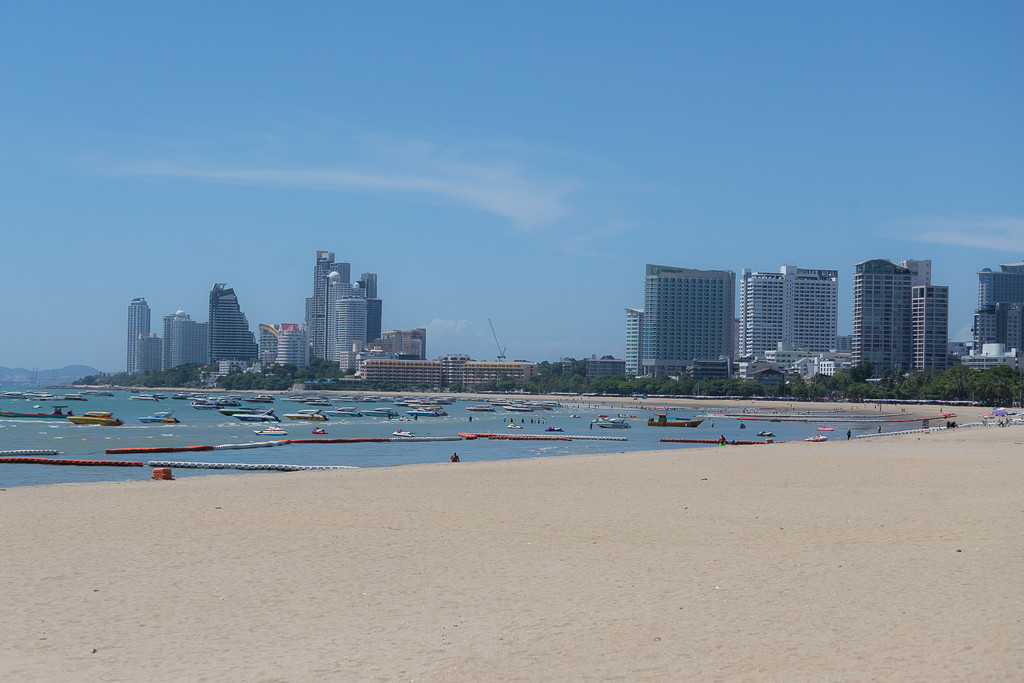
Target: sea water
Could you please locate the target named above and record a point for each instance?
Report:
(209, 427)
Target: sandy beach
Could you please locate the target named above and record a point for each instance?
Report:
(897, 557)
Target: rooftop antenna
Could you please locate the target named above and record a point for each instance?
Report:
(501, 351)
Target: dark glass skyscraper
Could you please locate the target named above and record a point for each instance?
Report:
(230, 336)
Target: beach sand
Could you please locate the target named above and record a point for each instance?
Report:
(886, 558)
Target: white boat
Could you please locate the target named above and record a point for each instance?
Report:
(513, 425)
(256, 416)
(270, 431)
(401, 432)
(481, 409)
(204, 405)
(261, 398)
(612, 423)
(164, 416)
(380, 412)
(144, 397)
(309, 415)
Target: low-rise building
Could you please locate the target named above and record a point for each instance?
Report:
(991, 356)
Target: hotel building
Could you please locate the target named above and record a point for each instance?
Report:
(688, 316)
(796, 307)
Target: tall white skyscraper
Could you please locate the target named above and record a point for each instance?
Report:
(796, 306)
(634, 338)
(138, 323)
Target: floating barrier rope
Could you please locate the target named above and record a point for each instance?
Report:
(64, 461)
(243, 466)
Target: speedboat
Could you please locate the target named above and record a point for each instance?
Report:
(765, 434)
(96, 417)
(380, 412)
(826, 429)
(256, 416)
(553, 429)
(427, 411)
(401, 432)
(164, 416)
(144, 397)
(819, 437)
(481, 409)
(261, 398)
(270, 431)
(309, 415)
(319, 430)
(513, 425)
(611, 423)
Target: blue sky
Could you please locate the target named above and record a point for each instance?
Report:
(517, 162)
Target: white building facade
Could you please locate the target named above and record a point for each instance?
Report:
(798, 307)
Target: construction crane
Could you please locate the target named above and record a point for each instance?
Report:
(501, 351)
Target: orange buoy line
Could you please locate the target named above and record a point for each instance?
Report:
(65, 461)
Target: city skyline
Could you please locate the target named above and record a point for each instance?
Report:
(517, 169)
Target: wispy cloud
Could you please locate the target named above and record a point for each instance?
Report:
(1006, 234)
(408, 169)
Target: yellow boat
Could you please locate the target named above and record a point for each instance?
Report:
(96, 417)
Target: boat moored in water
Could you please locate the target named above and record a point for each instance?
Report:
(96, 417)
(57, 414)
(663, 421)
(309, 415)
(164, 416)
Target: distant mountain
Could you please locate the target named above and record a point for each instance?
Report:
(64, 375)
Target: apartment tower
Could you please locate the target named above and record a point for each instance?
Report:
(688, 316)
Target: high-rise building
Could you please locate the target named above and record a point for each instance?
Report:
(368, 283)
(900, 321)
(148, 353)
(1000, 323)
(1000, 298)
(138, 323)
(634, 337)
(319, 306)
(1005, 286)
(930, 322)
(688, 316)
(293, 346)
(230, 336)
(882, 330)
(349, 326)
(796, 307)
(185, 341)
